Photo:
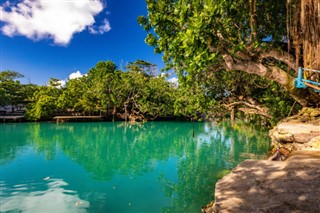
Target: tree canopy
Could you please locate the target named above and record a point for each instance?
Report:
(255, 36)
(140, 93)
(12, 92)
(134, 94)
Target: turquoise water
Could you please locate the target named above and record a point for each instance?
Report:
(119, 167)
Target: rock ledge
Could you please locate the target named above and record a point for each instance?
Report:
(299, 132)
(268, 186)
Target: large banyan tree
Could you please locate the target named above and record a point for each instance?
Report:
(271, 39)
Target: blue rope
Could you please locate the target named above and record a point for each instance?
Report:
(299, 81)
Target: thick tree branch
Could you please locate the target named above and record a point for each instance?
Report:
(253, 112)
(253, 108)
(280, 55)
(269, 72)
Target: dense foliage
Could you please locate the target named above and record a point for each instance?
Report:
(207, 36)
(12, 92)
(134, 94)
(207, 43)
(138, 93)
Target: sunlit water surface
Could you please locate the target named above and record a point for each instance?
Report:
(118, 167)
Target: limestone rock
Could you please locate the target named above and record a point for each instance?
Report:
(277, 186)
(314, 143)
(297, 132)
(268, 186)
(315, 113)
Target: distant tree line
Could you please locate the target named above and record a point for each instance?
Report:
(12, 92)
(139, 94)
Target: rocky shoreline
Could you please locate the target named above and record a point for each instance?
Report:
(271, 185)
(299, 132)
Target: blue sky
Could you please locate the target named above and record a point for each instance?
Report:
(54, 38)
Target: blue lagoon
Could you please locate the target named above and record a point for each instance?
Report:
(119, 167)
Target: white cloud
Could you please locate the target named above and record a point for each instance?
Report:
(76, 74)
(62, 83)
(105, 27)
(54, 19)
(57, 83)
(174, 81)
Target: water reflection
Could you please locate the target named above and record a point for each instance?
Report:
(153, 164)
(12, 140)
(30, 198)
(219, 149)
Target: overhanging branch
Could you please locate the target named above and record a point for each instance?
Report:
(250, 108)
(269, 72)
(280, 55)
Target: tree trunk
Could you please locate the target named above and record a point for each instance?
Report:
(125, 113)
(114, 111)
(232, 117)
(302, 96)
(303, 21)
(253, 19)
